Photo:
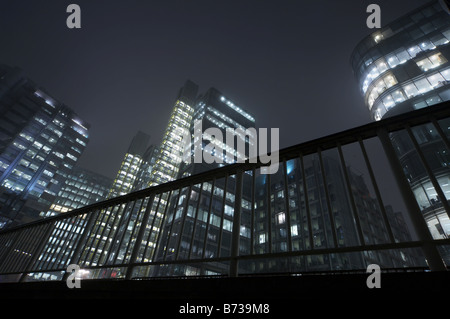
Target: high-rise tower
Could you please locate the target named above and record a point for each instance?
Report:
(130, 169)
(404, 66)
(81, 188)
(214, 110)
(170, 153)
(41, 139)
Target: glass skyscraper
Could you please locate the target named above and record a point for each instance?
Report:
(82, 187)
(189, 233)
(41, 140)
(170, 153)
(214, 110)
(146, 165)
(133, 164)
(404, 66)
(321, 211)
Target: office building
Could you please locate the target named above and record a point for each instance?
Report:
(404, 66)
(81, 188)
(41, 140)
(134, 164)
(214, 110)
(170, 153)
(144, 175)
(311, 206)
(317, 214)
(146, 165)
(187, 235)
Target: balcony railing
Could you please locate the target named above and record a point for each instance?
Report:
(337, 203)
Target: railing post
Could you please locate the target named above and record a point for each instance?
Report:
(138, 241)
(234, 263)
(430, 251)
(38, 250)
(430, 173)
(82, 240)
(74, 259)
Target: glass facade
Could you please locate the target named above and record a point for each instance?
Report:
(171, 150)
(312, 207)
(134, 166)
(414, 51)
(330, 207)
(41, 140)
(214, 110)
(427, 171)
(206, 229)
(404, 66)
(82, 187)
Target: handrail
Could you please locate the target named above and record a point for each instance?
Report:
(176, 223)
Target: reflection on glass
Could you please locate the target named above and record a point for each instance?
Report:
(398, 96)
(380, 86)
(393, 60)
(413, 51)
(410, 90)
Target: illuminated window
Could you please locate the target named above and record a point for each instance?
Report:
(413, 51)
(59, 155)
(377, 37)
(425, 64)
(378, 111)
(262, 238)
(280, 218)
(427, 45)
(372, 97)
(80, 142)
(446, 74)
(48, 173)
(403, 56)
(381, 65)
(431, 62)
(436, 80)
(380, 86)
(40, 121)
(42, 183)
(294, 230)
(229, 210)
(433, 100)
(423, 85)
(37, 145)
(227, 225)
(388, 102)
(410, 90)
(71, 156)
(438, 59)
(392, 60)
(390, 80)
(398, 96)
(19, 146)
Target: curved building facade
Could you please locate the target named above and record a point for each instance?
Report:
(405, 66)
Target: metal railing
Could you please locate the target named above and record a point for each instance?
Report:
(337, 203)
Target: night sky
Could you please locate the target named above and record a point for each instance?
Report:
(286, 62)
